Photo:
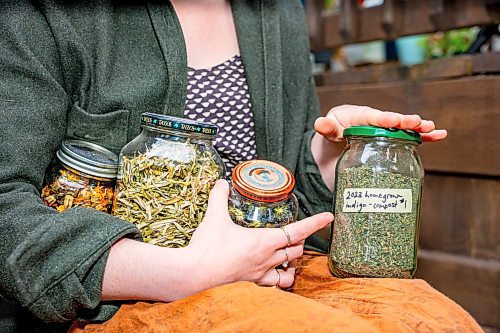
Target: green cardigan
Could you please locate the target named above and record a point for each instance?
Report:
(87, 70)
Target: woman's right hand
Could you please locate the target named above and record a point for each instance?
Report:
(224, 252)
(220, 252)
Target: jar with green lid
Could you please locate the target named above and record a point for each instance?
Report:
(378, 186)
(261, 195)
(82, 174)
(164, 178)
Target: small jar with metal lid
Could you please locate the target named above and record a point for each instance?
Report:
(261, 195)
(378, 185)
(165, 176)
(82, 174)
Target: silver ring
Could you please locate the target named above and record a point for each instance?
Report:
(277, 285)
(287, 236)
(285, 263)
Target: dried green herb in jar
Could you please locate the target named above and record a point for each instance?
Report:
(165, 177)
(378, 187)
(375, 244)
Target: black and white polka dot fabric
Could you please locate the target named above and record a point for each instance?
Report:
(219, 95)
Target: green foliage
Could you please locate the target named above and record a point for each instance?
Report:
(449, 43)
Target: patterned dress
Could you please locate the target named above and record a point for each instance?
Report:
(220, 95)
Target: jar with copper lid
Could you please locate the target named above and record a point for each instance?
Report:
(261, 195)
(82, 174)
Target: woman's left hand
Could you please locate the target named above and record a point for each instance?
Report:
(341, 117)
(330, 129)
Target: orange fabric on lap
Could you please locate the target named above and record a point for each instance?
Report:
(317, 302)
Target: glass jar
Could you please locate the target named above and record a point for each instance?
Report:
(378, 185)
(261, 195)
(164, 178)
(82, 174)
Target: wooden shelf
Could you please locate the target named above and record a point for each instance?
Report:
(454, 67)
(468, 107)
(407, 17)
(459, 238)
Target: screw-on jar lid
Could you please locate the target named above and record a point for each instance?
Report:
(159, 121)
(374, 131)
(263, 180)
(88, 158)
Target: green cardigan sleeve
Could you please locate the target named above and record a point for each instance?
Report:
(313, 194)
(51, 263)
(309, 180)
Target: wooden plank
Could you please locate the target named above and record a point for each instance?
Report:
(384, 96)
(367, 74)
(442, 68)
(469, 108)
(414, 17)
(486, 63)
(472, 283)
(459, 215)
(458, 66)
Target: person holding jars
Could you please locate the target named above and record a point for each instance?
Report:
(87, 71)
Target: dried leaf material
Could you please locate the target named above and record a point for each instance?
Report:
(164, 191)
(374, 244)
(256, 214)
(65, 189)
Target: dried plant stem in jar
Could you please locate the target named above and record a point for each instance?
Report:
(375, 244)
(166, 198)
(82, 174)
(70, 189)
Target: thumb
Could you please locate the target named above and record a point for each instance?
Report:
(328, 128)
(217, 200)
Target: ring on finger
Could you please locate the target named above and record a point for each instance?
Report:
(287, 236)
(285, 263)
(277, 285)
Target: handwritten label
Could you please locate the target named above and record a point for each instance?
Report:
(377, 200)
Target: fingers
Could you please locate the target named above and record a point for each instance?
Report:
(280, 256)
(329, 128)
(388, 119)
(341, 117)
(410, 121)
(218, 198)
(300, 230)
(283, 280)
(344, 116)
(373, 117)
(435, 135)
(426, 126)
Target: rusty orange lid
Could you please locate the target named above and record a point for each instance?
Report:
(263, 180)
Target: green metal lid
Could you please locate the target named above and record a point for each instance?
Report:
(373, 131)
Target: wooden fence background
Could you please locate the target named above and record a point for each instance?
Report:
(460, 218)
